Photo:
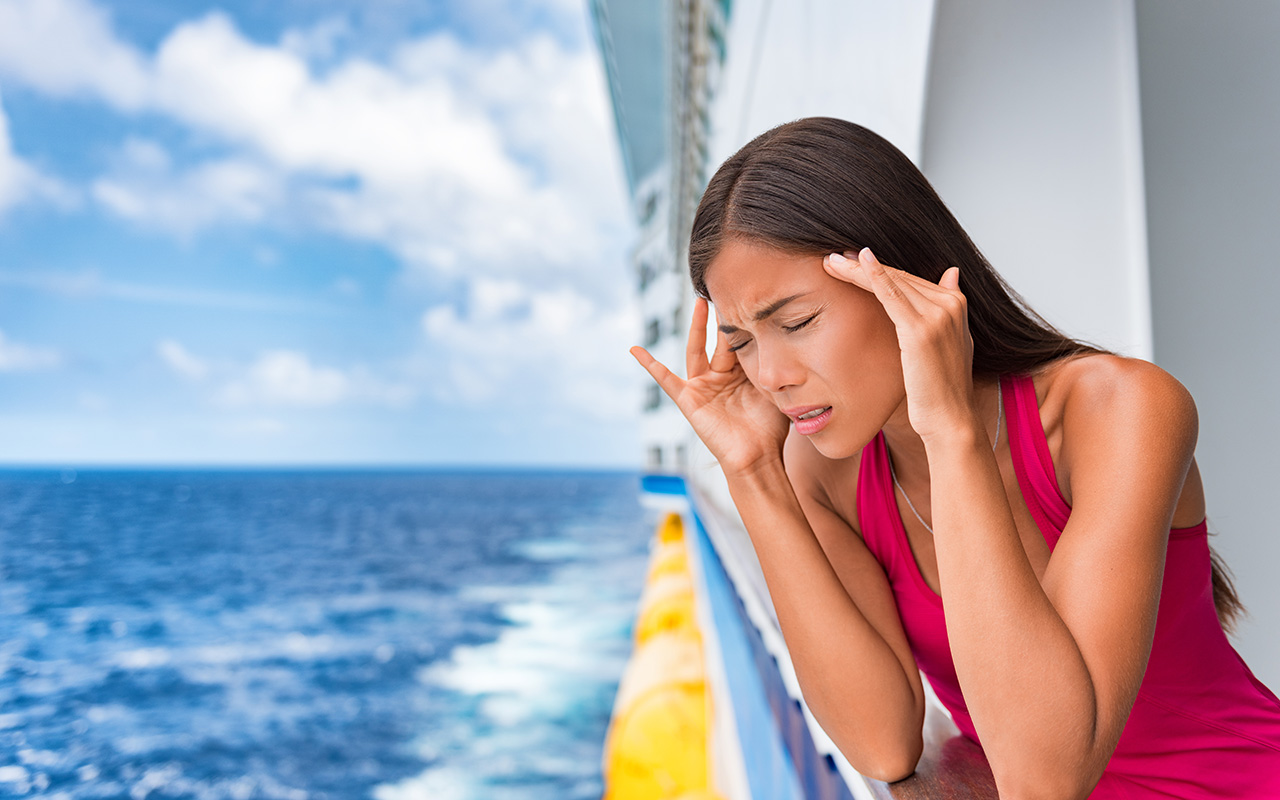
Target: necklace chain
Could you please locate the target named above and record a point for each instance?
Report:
(996, 443)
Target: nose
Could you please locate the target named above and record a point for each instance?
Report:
(776, 368)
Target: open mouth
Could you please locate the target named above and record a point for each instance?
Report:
(817, 412)
(813, 420)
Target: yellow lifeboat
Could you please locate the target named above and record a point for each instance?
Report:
(656, 747)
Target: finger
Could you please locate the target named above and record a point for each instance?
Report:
(695, 356)
(723, 359)
(924, 295)
(950, 279)
(668, 380)
(846, 269)
(916, 290)
(923, 287)
(917, 287)
(901, 301)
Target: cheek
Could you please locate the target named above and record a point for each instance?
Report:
(876, 337)
(861, 358)
(870, 316)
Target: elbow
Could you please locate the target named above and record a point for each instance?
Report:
(891, 771)
(1060, 783)
(885, 760)
(1063, 767)
(884, 742)
(1028, 791)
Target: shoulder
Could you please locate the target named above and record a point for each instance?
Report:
(1114, 413)
(1104, 391)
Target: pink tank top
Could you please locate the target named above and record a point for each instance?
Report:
(1202, 725)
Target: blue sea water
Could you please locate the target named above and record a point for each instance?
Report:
(313, 634)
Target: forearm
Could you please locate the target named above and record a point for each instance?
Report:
(1024, 679)
(854, 683)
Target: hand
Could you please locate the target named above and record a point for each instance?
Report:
(933, 335)
(741, 427)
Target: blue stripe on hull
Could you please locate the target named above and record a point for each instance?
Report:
(770, 770)
(800, 771)
(662, 484)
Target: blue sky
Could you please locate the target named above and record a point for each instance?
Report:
(311, 231)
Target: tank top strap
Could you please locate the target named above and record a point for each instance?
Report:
(877, 504)
(1031, 459)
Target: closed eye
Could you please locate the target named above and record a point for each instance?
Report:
(799, 325)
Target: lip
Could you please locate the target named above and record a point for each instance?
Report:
(807, 427)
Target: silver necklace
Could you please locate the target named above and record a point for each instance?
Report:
(911, 505)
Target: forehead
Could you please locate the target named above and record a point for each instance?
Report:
(745, 277)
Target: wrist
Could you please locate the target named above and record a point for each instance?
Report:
(758, 474)
(763, 488)
(964, 434)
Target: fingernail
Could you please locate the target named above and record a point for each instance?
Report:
(836, 258)
(867, 254)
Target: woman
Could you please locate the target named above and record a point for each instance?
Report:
(903, 436)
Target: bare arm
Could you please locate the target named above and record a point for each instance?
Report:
(850, 653)
(838, 618)
(1050, 671)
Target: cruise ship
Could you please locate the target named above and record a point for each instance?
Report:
(1098, 151)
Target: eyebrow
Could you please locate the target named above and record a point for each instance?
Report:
(766, 312)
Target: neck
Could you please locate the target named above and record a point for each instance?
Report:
(906, 448)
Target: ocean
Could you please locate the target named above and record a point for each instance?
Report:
(313, 634)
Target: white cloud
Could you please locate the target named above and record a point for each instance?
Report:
(283, 379)
(16, 357)
(555, 344)
(318, 42)
(493, 166)
(67, 47)
(181, 361)
(146, 188)
(286, 378)
(360, 119)
(453, 157)
(91, 283)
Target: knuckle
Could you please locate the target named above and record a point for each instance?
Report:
(937, 326)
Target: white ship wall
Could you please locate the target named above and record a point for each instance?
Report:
(861, 60)
(1211, 131)
(1032, 138)
(1027, 118)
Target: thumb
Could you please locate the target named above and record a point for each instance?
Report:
(950, 279)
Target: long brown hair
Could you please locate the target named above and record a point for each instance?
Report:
(822, 185)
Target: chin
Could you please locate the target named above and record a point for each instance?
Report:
(841, 444)
(836, 448)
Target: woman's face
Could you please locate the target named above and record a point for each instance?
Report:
(809, 342)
